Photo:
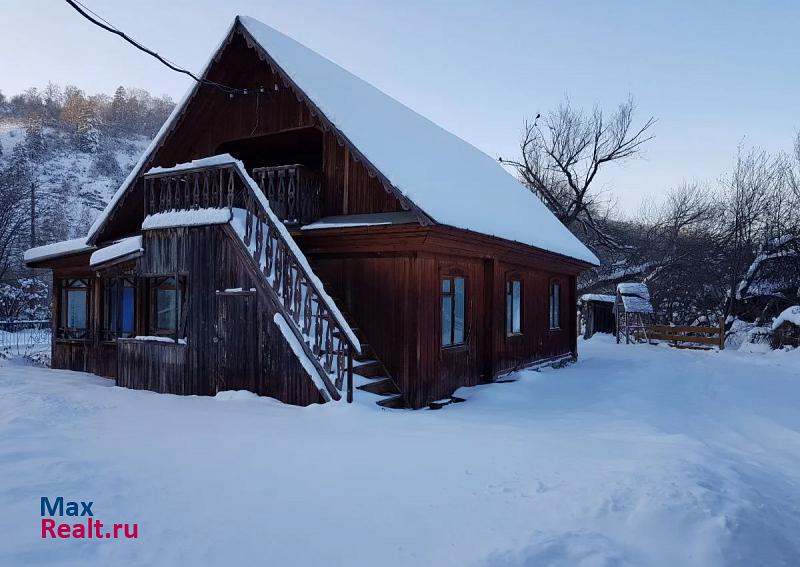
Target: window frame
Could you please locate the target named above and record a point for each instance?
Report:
(117, 286)
(156, 284)
(511, 279)
(452, 277)
(67, 285)
(554, 306)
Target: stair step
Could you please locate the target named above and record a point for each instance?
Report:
(369, 368)
(356, 332)
(381, 387)
(439, 404)
(393, 402)
(367, 353)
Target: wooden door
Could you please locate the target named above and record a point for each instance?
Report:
(237, 339)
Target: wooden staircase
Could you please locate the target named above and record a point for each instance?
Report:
(310, 321)
(369, 373)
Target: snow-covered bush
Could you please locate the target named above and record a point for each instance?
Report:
(105, 163)
(786, 328)
(24, 298)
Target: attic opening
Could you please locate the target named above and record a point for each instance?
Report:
(288, 147)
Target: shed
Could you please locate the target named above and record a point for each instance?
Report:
(597, 311)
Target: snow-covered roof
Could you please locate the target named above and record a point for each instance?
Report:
(119, 249)
(635, 297)
(792, 315)
(597, 297)
(56, 249)
(371, 219)
(634, 288)
(450, 180)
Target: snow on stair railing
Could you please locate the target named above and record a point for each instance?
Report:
(223, 182)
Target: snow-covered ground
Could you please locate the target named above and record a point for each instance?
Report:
(636, 455)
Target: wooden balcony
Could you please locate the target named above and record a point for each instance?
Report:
(294, 192)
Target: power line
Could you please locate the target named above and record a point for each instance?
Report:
(101, 22)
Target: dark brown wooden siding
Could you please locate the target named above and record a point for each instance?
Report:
(148, 365)
(537, 341)
(214, 120)
(85, 356)
(389, 280)
(232, 340)
(378, 292)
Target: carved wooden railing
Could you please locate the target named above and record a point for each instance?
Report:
(311, 314)
(191, 188)
(293, 191)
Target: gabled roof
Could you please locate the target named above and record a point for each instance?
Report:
(635, 297)
(448, 179)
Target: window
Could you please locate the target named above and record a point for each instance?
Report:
(513, 307)
(453, 292)
(166, 295)
(555, 305)
(119, 300)
(74, 320)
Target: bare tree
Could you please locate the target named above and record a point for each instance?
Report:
(683, 249)
(749, 195)
(562, 156)
(12, 221)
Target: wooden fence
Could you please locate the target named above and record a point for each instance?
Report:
(701, 337)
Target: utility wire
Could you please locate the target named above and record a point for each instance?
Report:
(101, 22)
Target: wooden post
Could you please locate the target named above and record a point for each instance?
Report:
(627, 329)
(722, 333)
(349, 374)
(346, 191)
(177, 289)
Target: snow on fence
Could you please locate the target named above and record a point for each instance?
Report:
(23, 337)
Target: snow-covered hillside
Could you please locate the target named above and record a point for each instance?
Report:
(636, 455)
(83, 180)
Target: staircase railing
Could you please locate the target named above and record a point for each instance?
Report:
(312, 315)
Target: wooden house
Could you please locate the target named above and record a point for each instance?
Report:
(304, 227)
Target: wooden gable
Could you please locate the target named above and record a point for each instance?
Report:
(277, 122)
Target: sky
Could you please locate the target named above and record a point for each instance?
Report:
(714, 74)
